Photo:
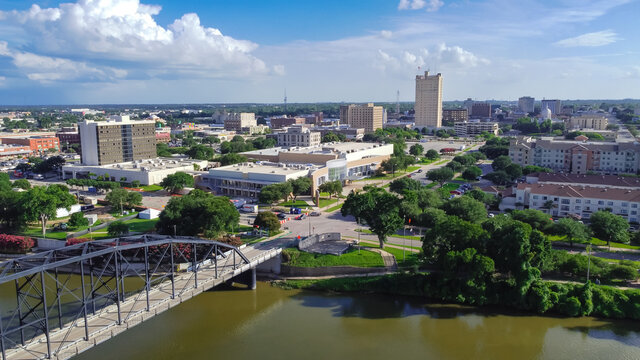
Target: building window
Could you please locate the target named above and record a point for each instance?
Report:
(578, 201)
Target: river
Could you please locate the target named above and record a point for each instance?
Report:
(271, 323)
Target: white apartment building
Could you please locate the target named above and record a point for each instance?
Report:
(237, 121)
(577, 157)
(579, 200)
(471, 128)
(368, 117)
(298, 136)
(526, 104)
(428, 105)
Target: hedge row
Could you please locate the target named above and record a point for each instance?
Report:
(13, 244)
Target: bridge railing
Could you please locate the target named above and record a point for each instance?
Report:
(58, 289)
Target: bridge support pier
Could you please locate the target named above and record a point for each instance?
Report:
(247, 278)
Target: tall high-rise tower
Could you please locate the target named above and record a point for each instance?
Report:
(428, 106)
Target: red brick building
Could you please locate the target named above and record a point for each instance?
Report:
(35, 143)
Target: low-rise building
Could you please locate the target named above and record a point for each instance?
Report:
(348, 132)
(68, 135)
(576, 157)
(147, 172)
(609, 181)
(9, 151)
(594, 122)
(480, 110)
(282, 122)
(564, 200)
(247, 179)
(471, 128)
(37, 144)
(298, 136)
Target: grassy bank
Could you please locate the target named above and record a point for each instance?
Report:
(363, 258)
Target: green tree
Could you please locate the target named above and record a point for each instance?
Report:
(536, 218)
(176, 182)
(77, 220)
(42, 202)
(12, 212)
(331, 187)
(22, 184)
(501, 162)
(267, 220)
(121, 198)
(450, 234)
(466, 208)
(609, 227)
(416, 150)
(432, 154)
(198, 213)
(404, 183)
(232, 158)
(499, 177)
(471, 173)
(379, 209)
(573, 230)
(431, 216)
(274, 192)
(455, 166)
(514, 171)
(200, 152)
(118, 228)
(300, 186)
(465, 160)
(441, 175)
(530, 169)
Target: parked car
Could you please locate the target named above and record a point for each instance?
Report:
(301, 217)
(315, 213)
(419, 171)
(282, 216)
(60, 227)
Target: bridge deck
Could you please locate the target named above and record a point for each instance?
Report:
(69, 340)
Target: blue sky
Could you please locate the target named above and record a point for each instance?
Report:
(189, 51)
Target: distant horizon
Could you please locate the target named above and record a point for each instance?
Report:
(302, 103)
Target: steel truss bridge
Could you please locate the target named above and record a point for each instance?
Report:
(70, 299)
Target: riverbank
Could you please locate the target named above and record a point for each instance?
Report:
(542, 297)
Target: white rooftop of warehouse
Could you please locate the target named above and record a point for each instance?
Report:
(147, 164)
(263, 167)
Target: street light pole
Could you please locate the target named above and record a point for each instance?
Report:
(588, 259)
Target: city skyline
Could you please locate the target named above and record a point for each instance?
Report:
(127, 51)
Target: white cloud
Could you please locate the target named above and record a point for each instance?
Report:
(386, 34)
(592, 39)
(430, 5)
(125, 31)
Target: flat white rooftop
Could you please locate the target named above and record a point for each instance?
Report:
(265, 168)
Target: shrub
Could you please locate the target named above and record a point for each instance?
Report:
(12, 244)
(118, 228)
(74, 241)
(77, 220)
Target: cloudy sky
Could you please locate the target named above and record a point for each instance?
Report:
(193, 51)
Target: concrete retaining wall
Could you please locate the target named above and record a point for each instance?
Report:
(50, 244)
(294, 271)
(316, 238)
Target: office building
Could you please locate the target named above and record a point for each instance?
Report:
(68, 135)
(526, 104)
(348, 132)
(117, 140)
(481, 110)
(554, 105)
(594, 122)
(368, 117)
(451, 116)
(473, 128)
(298, 136)
(237, 121)
(577, 157)
(428, 105)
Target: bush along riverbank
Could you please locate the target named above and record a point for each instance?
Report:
(541, 297)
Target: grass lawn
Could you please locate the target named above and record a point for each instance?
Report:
(141, 225)
(364, 258)
(408, 237)
(327, 202)
(441, 162)
(410, 258)
(151, 188)
(36, 231)
(337, 207)
(297, 203)
(425, 161)
(596, 242)
(324, 194)
(412, 168)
